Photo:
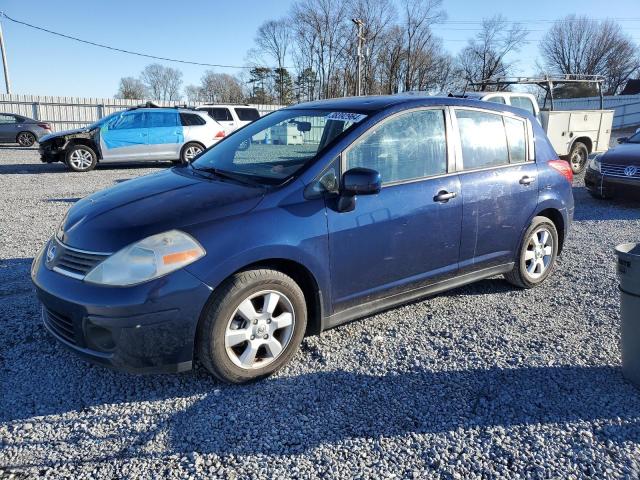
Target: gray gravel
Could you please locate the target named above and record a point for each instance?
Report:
(483, 381)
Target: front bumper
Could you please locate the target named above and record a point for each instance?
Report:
(145, 328)
(50, 153)
(607, 185)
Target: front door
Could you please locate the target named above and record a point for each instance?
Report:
(165, 135)
(499, 186)
(125, 137)
(409, 234)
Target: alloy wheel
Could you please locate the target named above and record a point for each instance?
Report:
(539, 253)
(26, 139)
(81, 159)
(260, 329)
(191, 153)
(577, 160)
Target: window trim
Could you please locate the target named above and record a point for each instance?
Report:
(450, 154)
(458, 141)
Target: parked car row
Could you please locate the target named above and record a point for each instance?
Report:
(394, 199)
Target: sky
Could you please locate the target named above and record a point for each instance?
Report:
(217, 32)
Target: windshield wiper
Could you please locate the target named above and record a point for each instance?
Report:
(237, 177)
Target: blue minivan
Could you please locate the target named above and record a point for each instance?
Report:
(307, 218)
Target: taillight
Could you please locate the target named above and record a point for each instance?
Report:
(220, 134)
(563, 168)
(46, 126)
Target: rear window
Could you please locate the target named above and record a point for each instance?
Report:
(189, 119)
(220, 114)
(247, 114)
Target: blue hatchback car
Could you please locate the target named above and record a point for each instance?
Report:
(305, 219)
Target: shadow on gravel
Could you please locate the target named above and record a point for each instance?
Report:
(17, 147)
(623, 207)
(62, 200)
(31, 168)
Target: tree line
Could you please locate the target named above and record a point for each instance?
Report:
(312, 55)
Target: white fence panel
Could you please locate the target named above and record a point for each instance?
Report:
(64, 113)
(626, 107)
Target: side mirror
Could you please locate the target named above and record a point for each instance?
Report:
(304, 126)
(622, 139)
(357, 181)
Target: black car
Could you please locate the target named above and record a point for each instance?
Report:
(615, 171)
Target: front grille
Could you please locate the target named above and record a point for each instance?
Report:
(619, 170)
(73, 262)
(60, 325)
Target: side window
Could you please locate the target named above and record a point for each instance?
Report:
(516, 136)
(496, 100)
(189, 119)
(162, 119)
(220, 114)
(127, 121)
(4, 119)
(247, 114)
(524, 103)
(411, 145)
(483, 139)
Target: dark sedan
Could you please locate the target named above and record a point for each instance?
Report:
(615, 171)
(22, 130)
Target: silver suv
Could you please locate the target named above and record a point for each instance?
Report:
(138, 134)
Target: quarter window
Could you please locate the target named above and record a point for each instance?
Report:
(516, 136)
(220, 114)
(189, 119)
(247, 114)
(411, 145)
(483, 139)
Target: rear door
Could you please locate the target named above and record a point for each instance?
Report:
(223, 116)
(165, 135)
(125, 137)
(404, 237)
(8, 128)
(498, 175)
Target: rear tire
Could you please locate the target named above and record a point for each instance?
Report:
(26, 139)
(190, 151)
(536, 255)
(80, 158)
(578, 157)
(252, 326)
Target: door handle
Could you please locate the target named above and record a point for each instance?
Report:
(526, 180)
(444, 196)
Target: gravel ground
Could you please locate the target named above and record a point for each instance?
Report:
(483, 381)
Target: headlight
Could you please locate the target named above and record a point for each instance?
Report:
(594, 163)
(147, 259)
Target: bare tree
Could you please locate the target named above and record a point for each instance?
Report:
(579, 45)
(220, 88)
(273, 40)
(486, 55)
(193, 93)
(162, 83)
(131, 88)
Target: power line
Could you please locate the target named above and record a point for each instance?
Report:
(121, 50)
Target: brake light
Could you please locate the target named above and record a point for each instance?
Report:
(220, 134)
(563, 168)
(46, 126)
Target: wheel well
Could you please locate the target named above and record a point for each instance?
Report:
(556, 217)
(87, 143)
(586, 141)
(307, 282)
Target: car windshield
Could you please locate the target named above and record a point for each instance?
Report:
(274, 148)
(634, 138)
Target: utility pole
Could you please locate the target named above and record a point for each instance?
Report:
(4, 58)
(360, 37)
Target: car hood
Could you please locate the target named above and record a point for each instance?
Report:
(134, 209)
(64, 133)
(624, 154)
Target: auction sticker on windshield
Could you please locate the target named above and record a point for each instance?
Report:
(346, 116)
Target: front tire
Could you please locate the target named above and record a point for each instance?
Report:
(80, 158)
(537, 254)
(26, 139)
(252, 326)
(578, 157)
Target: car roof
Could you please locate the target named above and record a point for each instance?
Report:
(377, 103)
(480, 95)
